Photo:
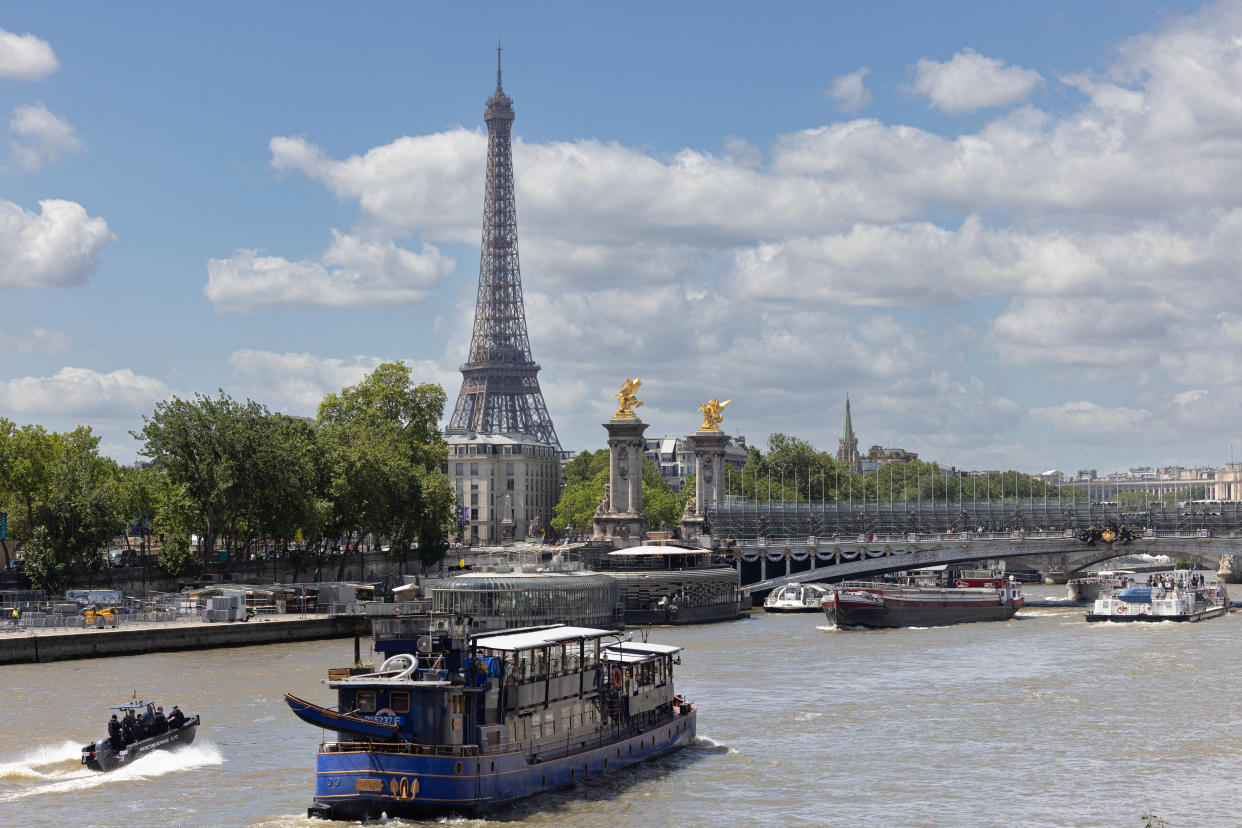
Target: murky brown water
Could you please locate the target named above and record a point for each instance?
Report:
(1042, 720)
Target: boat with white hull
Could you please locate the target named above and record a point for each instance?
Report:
(796, 598)
(1177, 596)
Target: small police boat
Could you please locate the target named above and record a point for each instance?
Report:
(103, 756)
(471, 722)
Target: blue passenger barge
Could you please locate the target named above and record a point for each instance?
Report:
(469, 722)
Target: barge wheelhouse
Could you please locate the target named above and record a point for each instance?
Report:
(470, 722)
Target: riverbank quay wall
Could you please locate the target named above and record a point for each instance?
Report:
(30, 646)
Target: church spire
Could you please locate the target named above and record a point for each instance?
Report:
(847, 448)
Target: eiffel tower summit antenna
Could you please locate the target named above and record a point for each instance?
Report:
(500, 391)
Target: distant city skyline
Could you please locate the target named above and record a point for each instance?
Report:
(1009, 233)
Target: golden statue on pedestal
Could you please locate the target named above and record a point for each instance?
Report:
(628, 402)
(711, 414)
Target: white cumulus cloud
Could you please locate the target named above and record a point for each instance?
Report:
(42, 136)
(970, 81)
(298, 382)
(351, 273)
(58, 246)
(35, 341)
(83, 393)
(1071, 271)
(25, 57)
(849, 91)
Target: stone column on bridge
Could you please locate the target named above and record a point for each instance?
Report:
(620, 517)
(708, 445)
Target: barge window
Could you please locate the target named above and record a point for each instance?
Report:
(399, 701)
(365, 701)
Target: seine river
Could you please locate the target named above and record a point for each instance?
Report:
(1043, 720)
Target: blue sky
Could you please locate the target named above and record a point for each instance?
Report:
(1010, 233)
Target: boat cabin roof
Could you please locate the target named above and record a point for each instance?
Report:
(136, 704)
(539, 638)
(629, 651)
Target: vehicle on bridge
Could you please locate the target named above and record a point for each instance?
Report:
(1180, 595)
(925, 600)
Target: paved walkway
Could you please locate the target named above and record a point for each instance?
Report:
(9, 631)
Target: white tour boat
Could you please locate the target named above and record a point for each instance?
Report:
(1181, 595)
(796, 598)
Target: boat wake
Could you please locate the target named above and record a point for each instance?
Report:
(43, 762)
(58, 769)
(706, 744)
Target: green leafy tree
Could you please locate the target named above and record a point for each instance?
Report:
(175, 516)
(585, 478)
(7, 460)
(384, 453)
(212, 447)
(661, 504)
(79, 512)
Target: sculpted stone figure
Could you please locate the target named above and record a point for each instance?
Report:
(627, 402)
(711, 414)
(623, 462)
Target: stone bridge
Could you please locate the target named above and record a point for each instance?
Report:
(767, 563)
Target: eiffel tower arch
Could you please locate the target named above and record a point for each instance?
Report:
(504, 455)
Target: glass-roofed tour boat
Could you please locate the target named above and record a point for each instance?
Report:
(472, 721)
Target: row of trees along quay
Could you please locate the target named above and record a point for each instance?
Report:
(240, 478)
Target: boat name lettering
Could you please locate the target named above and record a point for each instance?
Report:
(391, 720)
(374, 785)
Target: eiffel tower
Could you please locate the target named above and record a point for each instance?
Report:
(500, 380)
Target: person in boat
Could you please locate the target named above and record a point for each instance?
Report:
(176, 718)
(160, 723)
(148, 723)
(127, 732)
(114, 734)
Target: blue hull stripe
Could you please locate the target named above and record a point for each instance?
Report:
(434, 784)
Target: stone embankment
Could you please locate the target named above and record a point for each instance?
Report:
(31, 646)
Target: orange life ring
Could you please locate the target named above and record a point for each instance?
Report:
(618, 679)
(1121, 609)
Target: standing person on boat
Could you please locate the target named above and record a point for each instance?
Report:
(114, 734)
(176, 718)
(127, 731)
(160, 723)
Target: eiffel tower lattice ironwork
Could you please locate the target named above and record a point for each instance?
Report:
(500, 381)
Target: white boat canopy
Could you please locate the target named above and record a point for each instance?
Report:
(539, 638)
